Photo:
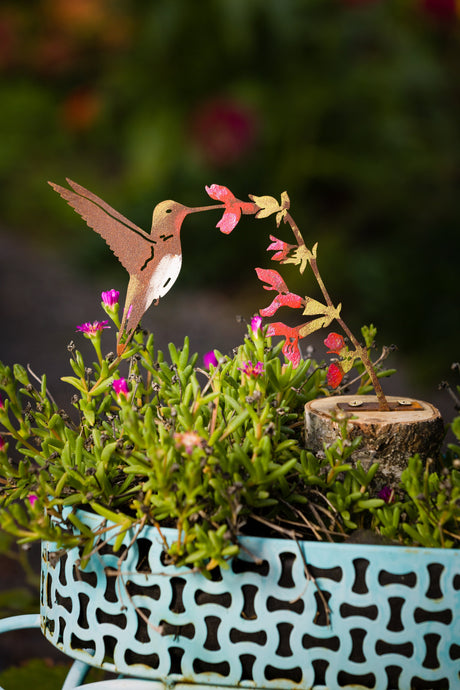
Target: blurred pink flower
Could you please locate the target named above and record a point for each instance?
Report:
(256, 323)
(2, 443)
(188, 440)
(210, 358)
(223, 131)
(120, 386)
(444, 10)
(387, 494)
(32, 499)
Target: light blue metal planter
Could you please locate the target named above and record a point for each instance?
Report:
(393, 624)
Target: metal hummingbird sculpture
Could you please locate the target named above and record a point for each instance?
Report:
(153, 260)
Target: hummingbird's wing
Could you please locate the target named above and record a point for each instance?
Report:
(130, 244)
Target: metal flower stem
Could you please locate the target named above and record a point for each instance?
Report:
(362, 351)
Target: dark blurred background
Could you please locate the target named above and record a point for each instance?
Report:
(352, 106)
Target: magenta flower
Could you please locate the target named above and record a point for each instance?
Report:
(120, 386)
(92, 329)
(210, 358)
(254, 370)
(2, 406)
(32, 499)
(387, 494)
(110, 298)
(256, 323)
(2, 443)
(233, 207)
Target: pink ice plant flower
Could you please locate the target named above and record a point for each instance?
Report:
(210, 358)
(2, 443)
(120, 386)
(254, 370)
(387, 494)
(32, 499)
(110, 298)
(188, 440)
(233, 207)
(256, 323)
(92, 329)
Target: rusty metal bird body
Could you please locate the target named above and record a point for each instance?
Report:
(153, 260)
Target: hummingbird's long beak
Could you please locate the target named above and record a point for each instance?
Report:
(197, 209)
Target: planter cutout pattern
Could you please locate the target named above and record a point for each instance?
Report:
(393, 620)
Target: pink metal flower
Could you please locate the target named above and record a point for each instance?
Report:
(335, 343)
(92, 329)
(281, 248)
(254, 370)
(288, 300)
(284, 298)
(120, 386)
(110, 298)
(334, 375)
(210, 358)
(233, 207)
(291, 343)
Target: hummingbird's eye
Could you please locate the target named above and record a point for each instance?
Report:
(168, 210)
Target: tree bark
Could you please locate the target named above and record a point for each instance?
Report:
(388, 437)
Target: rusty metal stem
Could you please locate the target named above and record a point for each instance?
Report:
(362, 351)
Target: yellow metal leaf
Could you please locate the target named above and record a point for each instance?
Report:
(311, 327)
(281, 215)
(285, 201)
(267, 205)
(312, 307)
(300, 257)
(331, 314)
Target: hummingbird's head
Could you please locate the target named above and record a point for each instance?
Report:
(173, 213)
(170, 212)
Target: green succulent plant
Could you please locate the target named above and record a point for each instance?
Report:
(215, 451)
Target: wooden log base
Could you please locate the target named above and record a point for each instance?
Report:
(388, 437)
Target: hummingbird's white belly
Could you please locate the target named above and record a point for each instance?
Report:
(164, 277)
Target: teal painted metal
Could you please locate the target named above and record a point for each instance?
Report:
(393, 621)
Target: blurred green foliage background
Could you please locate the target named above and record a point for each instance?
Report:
(352, 106)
